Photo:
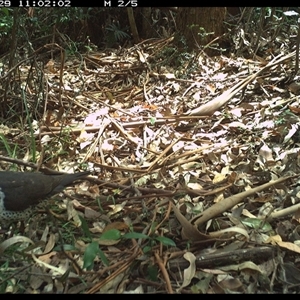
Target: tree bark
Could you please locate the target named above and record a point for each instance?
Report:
(200, 25)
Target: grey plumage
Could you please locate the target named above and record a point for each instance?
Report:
(20, 191)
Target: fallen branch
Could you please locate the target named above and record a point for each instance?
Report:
(210, 107)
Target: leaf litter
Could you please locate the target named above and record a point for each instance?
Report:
(194, 185)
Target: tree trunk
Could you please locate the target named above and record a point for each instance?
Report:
(200, 25)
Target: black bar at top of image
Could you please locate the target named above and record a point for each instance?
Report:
(101, 3)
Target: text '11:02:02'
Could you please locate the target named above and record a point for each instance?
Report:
(44, 3)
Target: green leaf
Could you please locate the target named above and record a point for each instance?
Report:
(257, 224)
(5, 11)
(85, 228)
(103, 257)
(152, 272)
(146, 249)
(152, 121)
(90, 254)
(165, 241)
(135, 235)
(112, 234)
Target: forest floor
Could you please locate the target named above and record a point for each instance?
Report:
(194, 184)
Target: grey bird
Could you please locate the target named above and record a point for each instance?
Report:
(21, 191)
